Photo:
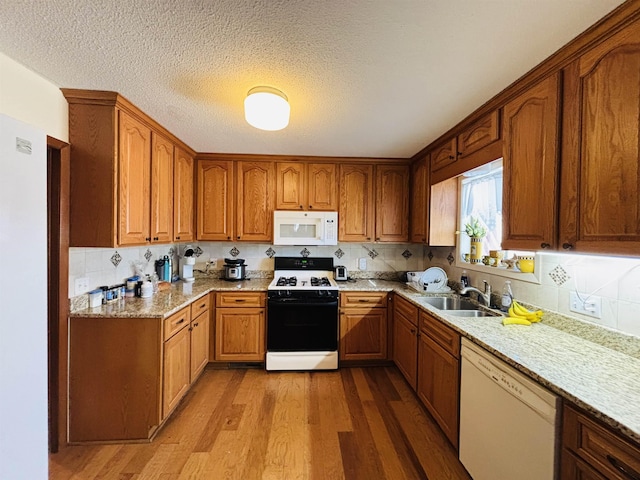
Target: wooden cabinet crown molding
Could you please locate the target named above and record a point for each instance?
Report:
(114, 99)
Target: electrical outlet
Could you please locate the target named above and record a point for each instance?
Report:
(362, 263)
(82, 285)
(592, 307)
(213, 263)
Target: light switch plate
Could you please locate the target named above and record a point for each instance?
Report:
(362, 263)
(591, 307)
(82, 285)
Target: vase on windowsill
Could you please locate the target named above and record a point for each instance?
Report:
(476, 250)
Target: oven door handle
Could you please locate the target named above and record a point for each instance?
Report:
(297, 302)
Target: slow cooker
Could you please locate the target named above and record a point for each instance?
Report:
(234, 269)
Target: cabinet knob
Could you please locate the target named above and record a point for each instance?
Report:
(567, 246)
(311, 206)
(368, 238)
(459, 154)
(301, 207)
(451, 157)
(177, 238)
(148, 239)
(195, 325)
(228, 237)
(377, 239)
(238, 237)
(413, 331)
(544, 245)
(155, 239)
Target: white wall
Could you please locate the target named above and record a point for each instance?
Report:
(32, 99)
(36, 102)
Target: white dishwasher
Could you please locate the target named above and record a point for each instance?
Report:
(508, 423)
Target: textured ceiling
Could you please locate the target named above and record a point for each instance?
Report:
(379, 78)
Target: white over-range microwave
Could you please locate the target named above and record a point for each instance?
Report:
(297, 227)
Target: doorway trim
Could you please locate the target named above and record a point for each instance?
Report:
(58, 179)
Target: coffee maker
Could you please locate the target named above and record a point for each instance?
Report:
(188, 261)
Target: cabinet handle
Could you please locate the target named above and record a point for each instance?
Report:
(155, 239)
(301, 207)
(544, 245)
(177, 238)
(363, 300)
(228, 238)
(195, 325)
(623, 468)
(203, 305)
(240, 300)
(148, 239)
(238, 237)
(377, 239)
(567, 246)
(310, 206)
(368, 238)
(413, 331)
(451, 157)
(459, 154)
(180, 321)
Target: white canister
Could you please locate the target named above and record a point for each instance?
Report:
(147, 290)
(95, 298)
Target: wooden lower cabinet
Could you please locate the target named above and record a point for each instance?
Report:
(176, 378)
(439, 374)
(240, 327)
(591, 450)
(363, 326)
(405, 339)
(126, 375)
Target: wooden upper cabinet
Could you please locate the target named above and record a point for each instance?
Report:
(322, 186)
(183, 196)
(255, 201)
(444, 154)
(215, 200)
(392, 203)
(134, 166)
(290, 186)
(530, 132)
(443, 213)
(161, 189)
(419, 201)
(302, 186)
(356, 213)
(600, 207)
(482, 133)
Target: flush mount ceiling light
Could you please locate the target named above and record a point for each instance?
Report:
(266, 108)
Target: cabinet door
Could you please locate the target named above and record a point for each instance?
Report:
(530, 131)
(439, 385)
(199, 344)
(215, 200)
(405, 348)
(322, 186)
(290, 186)
(419, 200)
(134, 168)
(177, 362)
(482, 133)
(443, 214)
(240, 334)
(183, 197)
(573, 468)
(600, 207)
(255, 200)
(363, 334)
(443, 155)
(392, 203)
(161, 189)
(356, 213)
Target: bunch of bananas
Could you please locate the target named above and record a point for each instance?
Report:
(519, 315)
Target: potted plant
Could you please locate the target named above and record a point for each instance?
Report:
(476, 232)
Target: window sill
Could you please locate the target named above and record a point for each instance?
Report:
(504, 272)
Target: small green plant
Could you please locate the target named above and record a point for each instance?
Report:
(474, 229)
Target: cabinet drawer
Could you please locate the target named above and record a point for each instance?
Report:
(406, 309)
(240, 299)
(443, 335)
(200, 305)
(176, 322)
(363, 299)
(602, 449)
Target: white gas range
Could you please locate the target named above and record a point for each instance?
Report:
(302, 315)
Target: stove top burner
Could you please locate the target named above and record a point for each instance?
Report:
(320, 282)
(287, 282)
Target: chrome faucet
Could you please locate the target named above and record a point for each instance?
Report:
(486, 296)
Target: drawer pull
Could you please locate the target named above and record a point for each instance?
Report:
(363, 300)
(623, 468)
(180, 321)
(203, 305)
(240, 300)
(195, 325)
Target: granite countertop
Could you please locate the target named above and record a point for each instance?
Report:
(595, 368)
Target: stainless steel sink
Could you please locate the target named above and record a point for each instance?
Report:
(451, 303)
(473, 313)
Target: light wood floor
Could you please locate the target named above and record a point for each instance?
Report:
(357, 423)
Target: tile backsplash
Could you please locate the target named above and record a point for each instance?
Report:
(108, 266)
(616, 280)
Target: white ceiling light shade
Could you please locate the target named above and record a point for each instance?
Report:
(266, 108)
